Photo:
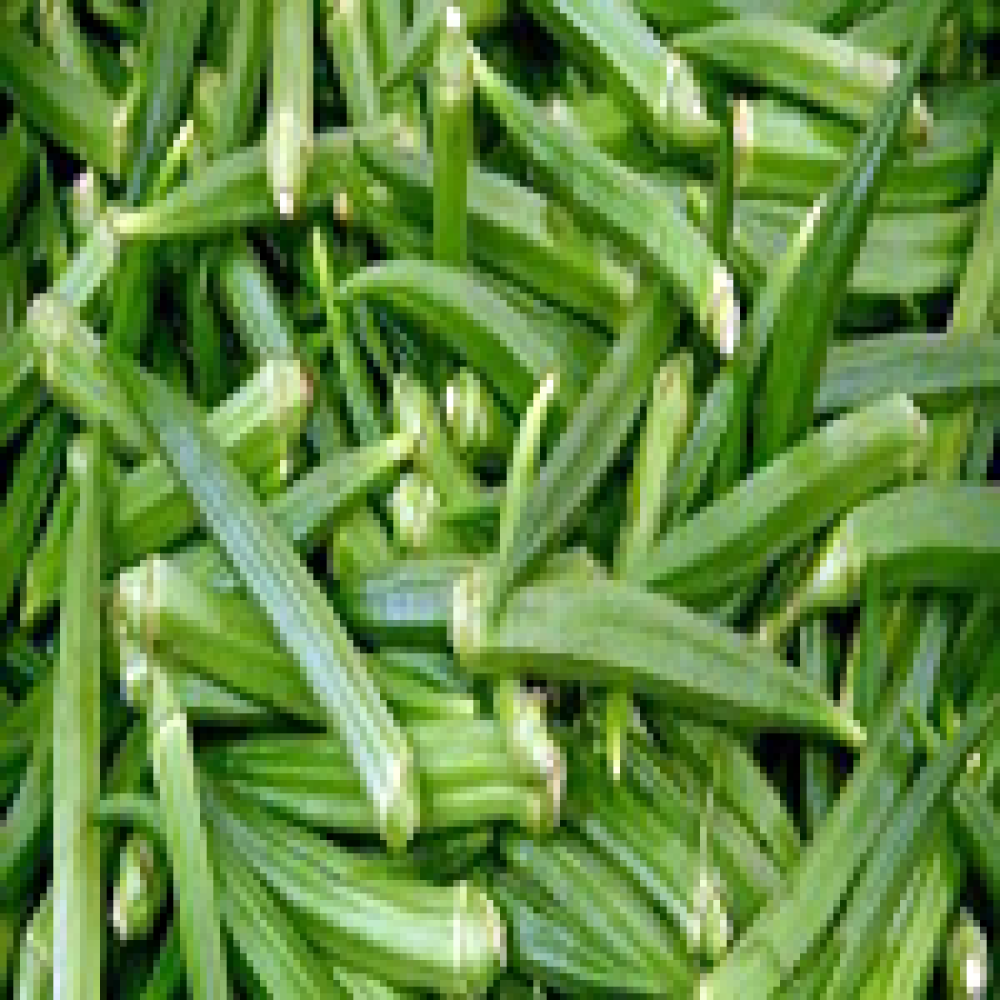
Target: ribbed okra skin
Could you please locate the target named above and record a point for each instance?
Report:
(292, 600)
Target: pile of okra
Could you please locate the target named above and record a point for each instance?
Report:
(498, 498)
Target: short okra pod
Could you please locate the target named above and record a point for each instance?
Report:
(452, 140)
(290, 102)
(140, 888)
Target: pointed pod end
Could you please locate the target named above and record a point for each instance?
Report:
(286, 203)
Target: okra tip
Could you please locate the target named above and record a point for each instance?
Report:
(398, 802)
(722, 313)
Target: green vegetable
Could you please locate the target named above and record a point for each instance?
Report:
(140, 889)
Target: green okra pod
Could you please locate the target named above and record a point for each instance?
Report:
(290, 597)
(625, 205)
(829, 72)
(927, 534)
(558, 628)
(290, 102)
(77, 886)
(452, 140)
(348, 38)
(786, 502)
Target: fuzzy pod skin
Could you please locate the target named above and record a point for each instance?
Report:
(290, 103)
(831, 471)
(452, 140)
(292, 600)
(557, 628)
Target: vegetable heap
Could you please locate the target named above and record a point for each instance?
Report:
(499, 500)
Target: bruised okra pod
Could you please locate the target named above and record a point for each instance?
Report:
(452, 140)
(290, 102)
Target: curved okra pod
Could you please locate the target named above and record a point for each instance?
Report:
(829, 72)
(623, 204)
(290, 102)
(943, 535)
(403, 931)
(140, 889)
(513, 230)
(563, 628)
(291, 599)
(730, 543)
(452, 140)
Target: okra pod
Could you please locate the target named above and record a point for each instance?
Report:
(33, 478)
(290, 103)
(18, 155)
(832, 244)
(74, 110)
(928, 534)
(557, 629)
(77, 887)
(34, 973)
(167, 60)
(347, 35)
(831, 471)
(665, 431)
(479, 427)
(967, 962)
(829, 72)
(452, 140)
(625, 205)
(291, 599)
(193, 879)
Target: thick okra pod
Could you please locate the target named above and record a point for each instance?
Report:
(558, 629)
(290, 597)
